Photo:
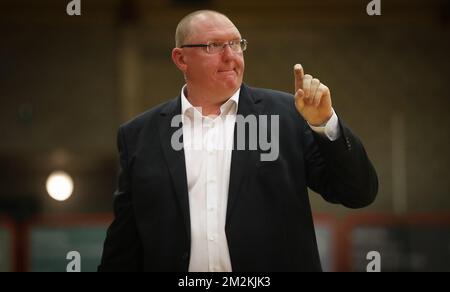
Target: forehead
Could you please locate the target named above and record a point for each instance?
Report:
(212, 27)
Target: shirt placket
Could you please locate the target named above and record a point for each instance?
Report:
(211, 195)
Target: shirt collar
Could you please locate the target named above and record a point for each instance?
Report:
(229, 107)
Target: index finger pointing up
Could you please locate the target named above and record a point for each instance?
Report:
(298, 74)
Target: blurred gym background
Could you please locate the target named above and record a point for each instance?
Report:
(68, 82)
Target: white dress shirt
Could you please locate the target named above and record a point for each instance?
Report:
(208, 143)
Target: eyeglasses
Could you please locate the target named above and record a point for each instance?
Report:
(237, 46)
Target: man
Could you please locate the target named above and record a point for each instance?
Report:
(225, 208)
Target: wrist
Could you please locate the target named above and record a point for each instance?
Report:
(324, 122)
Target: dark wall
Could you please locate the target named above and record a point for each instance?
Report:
(66, 83)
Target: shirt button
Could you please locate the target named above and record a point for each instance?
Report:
(212, 238)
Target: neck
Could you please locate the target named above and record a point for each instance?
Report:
(209, 103)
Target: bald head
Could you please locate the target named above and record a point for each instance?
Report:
(188, 25)
(211, 77)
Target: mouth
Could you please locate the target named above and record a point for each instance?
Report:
(230, 71)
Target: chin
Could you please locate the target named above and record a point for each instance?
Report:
(226, 88)
(231, 89)
(233, 84)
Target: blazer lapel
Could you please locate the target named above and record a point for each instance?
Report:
(241, 159)
(175, 159)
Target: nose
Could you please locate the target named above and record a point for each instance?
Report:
(227, 51)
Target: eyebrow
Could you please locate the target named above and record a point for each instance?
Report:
(221, 40)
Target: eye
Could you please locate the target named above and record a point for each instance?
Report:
(215, 45)
(235, 44)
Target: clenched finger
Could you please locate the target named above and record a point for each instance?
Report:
(307, 87)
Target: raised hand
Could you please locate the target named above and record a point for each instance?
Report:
(312, 98)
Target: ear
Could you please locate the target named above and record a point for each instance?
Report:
(179, 59)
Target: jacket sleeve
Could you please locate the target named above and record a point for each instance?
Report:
(122, 249)
(340, 170)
